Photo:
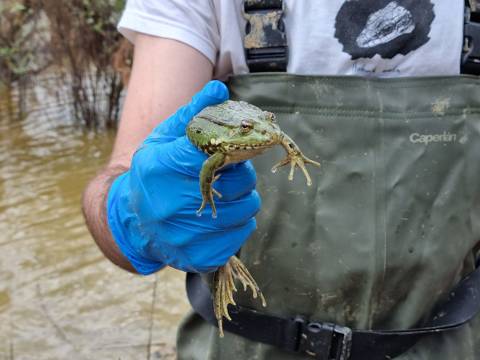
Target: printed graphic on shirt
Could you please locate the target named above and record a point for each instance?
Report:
(384, 27)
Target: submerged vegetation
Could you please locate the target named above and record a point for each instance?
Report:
(77, 40)
(23, 48)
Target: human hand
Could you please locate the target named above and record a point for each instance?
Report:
(152, 207)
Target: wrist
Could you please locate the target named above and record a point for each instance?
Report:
(93, 207)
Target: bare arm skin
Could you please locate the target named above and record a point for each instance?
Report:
(165, 75)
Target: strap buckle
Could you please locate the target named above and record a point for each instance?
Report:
(323, 341)
(265, 41)
(471, 41)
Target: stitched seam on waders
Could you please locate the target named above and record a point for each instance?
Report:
(312, 110)
(358, 82)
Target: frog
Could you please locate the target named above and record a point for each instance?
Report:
(232, 132)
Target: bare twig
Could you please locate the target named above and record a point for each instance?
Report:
(45, 312)
(152, 309)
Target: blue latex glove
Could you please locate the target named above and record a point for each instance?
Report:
(152, 207)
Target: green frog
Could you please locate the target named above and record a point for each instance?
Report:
(231, 132)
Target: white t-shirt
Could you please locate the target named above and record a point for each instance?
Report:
(325, 37)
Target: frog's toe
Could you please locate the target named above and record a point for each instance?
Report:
(208, 198)
(241, 273)
(202, 206)
(310, 161)
(301, 165)
(280, 164)
(215, 192)
(212, 204)
(223, 294)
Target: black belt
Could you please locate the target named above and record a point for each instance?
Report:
(326, 341)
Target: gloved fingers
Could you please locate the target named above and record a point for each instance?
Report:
(183, 157)
(183, 215)
(206, 255)
(237, 212)
(213, 93)
(176, 157)
(236, 181)
(192, 249)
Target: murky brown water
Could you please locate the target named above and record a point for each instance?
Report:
(59, 297)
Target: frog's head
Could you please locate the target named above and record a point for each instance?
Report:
(250, 133)
(234, 127)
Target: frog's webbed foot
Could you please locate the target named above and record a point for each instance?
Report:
(224, 286)
(295, 158)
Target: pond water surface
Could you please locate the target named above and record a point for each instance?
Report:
(59, 297)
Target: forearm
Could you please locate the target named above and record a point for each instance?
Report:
(158, 85)
(94, 211)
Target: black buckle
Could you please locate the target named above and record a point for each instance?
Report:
(265, 41)
(323, 341)
(471, 43)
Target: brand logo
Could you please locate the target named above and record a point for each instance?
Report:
(432, 138)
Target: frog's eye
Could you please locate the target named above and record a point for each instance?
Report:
(246, 126)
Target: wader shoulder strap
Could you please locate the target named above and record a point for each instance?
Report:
(471, 38)
(265, 41)
(328, 341)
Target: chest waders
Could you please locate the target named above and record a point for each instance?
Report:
(389, 227)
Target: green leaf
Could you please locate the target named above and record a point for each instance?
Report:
(17, 7)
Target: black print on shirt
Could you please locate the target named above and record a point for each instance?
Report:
(384, 27)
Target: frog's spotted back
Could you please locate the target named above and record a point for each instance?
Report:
(231, 113)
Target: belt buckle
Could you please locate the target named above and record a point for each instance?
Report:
(324, 341)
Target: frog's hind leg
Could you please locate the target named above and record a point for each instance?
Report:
(224, 286)
(207, 178)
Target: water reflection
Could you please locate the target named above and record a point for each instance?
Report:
(59, 297)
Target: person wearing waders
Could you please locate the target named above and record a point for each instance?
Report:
(376, 260)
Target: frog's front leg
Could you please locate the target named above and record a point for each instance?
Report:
(295, 157)
(207, 178)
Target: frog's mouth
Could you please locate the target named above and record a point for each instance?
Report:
(247, 147)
